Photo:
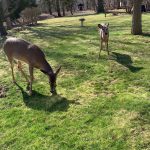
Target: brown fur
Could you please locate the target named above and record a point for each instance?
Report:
(104, 36)
(31, 54)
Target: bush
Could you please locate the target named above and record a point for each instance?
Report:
(30, 16)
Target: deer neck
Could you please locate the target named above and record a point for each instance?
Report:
(46, 68)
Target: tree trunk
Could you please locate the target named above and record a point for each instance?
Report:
(100, 6)
(58, 8)
(71, 10)
(137, 18)
(64, 13)
(50, 11)
(118, 4)
(94, 5)
(8, 22)
(49, 3)
(3, 31)
(63, 9)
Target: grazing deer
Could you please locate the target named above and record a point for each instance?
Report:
(104, 36)
(31, 54)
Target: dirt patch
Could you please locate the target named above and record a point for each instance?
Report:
(2, 91)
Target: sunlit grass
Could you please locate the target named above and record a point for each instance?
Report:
(102, 103)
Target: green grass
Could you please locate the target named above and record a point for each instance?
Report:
(102, 104)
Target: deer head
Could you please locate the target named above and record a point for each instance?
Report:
(52, 80)
(104, 28)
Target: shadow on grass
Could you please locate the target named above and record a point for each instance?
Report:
(46, 103)
(62, 32)
(144, 115)
(146, 34)
(126, 61)
(83, 15)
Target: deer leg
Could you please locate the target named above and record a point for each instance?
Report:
(12, 70)
(31, 79)
(22, 72)
(107, 48)
(101, 47)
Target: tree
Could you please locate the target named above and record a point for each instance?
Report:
(58, 8)
(118, 4)
(128, 6)
(49, 5)
(137, 18)
(63, 4)
(6, 10)
(22, 4)
(2, 28)
(100, 6)
(11, 9)
(68, 4)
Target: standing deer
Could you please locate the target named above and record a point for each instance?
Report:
(32, 55)
(104, 36)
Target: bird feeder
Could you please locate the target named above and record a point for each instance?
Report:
(82, 21)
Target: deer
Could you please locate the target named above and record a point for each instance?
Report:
(104, 36)
(23, 51)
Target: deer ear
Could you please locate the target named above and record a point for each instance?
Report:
(58, 70)
(108, 25)
(100, 26)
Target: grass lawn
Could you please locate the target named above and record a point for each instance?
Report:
(102, 104)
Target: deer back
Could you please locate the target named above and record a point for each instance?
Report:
(24, 51)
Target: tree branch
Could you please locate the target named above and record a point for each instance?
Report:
(12, 11)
